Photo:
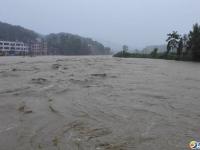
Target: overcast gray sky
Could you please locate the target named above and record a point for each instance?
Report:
(133, 22)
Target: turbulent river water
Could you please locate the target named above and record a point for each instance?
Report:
(98, 103)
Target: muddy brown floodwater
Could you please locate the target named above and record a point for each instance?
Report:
(98, 103)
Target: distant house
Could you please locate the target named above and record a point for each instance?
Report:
(13, 48)
(16, 48)
(38, 48)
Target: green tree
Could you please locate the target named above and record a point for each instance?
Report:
(154, 52)
(125, 49)
(194, 42)
(185, 44)
(173, 41)
(180, 48)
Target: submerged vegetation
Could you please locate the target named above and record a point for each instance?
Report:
(179, 47)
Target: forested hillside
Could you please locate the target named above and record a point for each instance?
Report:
(69, 44)
(59, 44)
(16, 33)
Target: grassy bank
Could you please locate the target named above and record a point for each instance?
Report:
(170, 56)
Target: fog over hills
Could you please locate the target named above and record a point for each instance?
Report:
(115, 47)
(150, 48)
(58, 43)
(136, 23)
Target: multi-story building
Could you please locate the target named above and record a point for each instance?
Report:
(20, 48)
(13, 48)
(38, 48)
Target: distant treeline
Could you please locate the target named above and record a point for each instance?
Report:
(179, 47)
(59, 44)
(68, 44)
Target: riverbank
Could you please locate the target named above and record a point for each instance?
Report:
(170, 56)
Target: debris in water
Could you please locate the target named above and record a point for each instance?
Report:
(52, 109)
(56, 66)
(99, 75)
(55, 141)
(39, 80)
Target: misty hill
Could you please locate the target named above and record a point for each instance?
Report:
(16, 33)
(149, 49)
(60, 44)
(69, 44)
(114, 46)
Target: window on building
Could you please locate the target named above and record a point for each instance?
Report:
(6, 43)
(6, 47)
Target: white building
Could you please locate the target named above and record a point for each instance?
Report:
(13, 48)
